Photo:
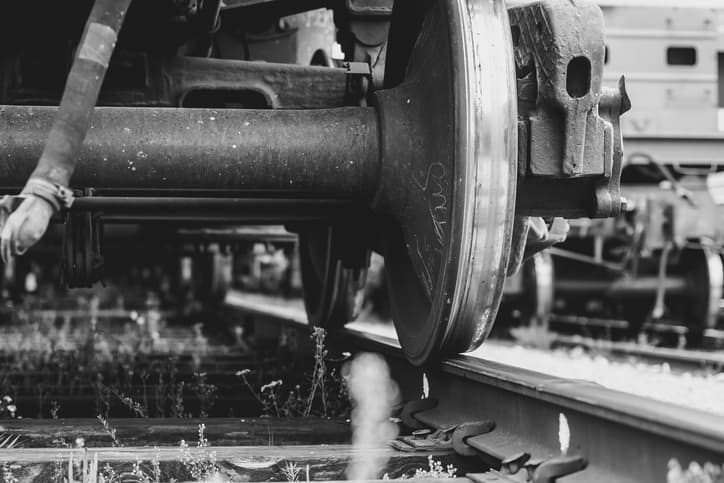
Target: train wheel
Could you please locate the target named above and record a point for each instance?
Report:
(446, 270)
(212, 276)
(333, 294)
(705, 274)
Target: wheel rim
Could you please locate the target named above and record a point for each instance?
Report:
(706, 278)
(330, 290)
(458, 313)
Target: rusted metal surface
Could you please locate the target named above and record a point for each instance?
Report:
(179, 81)
(324, 153)
(569, 123)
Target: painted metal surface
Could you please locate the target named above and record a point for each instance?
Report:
(672, 54)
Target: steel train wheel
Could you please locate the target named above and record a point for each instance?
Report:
(705, 277)
(332, 293)
(446, 272)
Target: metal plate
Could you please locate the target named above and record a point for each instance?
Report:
(453, 197)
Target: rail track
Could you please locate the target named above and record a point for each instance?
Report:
(492, 422)
(661, 344)
(678, 359)
(507, 417)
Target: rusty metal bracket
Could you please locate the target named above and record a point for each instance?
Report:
(568, 123)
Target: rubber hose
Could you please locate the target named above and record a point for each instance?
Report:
(57, 162)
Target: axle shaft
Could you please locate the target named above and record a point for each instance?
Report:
(314, 153)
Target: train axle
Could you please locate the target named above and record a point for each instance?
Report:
(434, 171)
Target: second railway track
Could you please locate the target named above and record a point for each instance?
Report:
(678, 359)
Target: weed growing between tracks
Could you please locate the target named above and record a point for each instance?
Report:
(292, 472)
(114, 380)
(435, 471)
(47, 372)
(324, 393)
(84, 370)
(198, 464)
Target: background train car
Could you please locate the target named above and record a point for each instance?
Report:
(657, 267)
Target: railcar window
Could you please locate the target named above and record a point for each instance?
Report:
(606, 54)
(681, 56)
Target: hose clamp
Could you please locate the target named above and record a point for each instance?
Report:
(58, 196)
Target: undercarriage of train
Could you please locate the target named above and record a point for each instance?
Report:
(654, 272)
(451, 136)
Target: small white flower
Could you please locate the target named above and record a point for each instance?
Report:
(271, 385)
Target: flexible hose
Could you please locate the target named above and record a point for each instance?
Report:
(57, 163)
(46, 191)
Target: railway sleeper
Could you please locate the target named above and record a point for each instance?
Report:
(506, 453)
(250, 449)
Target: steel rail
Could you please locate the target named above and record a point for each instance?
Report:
(684, 359)
(622, 437)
